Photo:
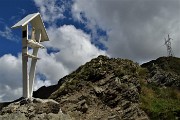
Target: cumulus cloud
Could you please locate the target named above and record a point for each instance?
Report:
(75, 46)
(7, 33)
(11, 80)
(50, 67)
(135, 28)
(11, 74)
(50, 10)
(39, 83)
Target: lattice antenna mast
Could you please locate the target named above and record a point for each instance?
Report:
(168, 45)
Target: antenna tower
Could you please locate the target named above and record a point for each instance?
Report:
(168, 45)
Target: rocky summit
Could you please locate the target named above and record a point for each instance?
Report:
(107, 89)
(104, 88)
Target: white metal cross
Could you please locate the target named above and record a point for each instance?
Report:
(38, 35)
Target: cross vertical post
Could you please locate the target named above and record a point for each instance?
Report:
(34, 61)
(25, 79)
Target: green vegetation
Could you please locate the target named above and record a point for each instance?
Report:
(142, 72)
(160, 103)
(65, 88)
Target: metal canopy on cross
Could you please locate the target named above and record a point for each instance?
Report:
(38, 34)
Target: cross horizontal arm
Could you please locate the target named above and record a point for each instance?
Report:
(33, 44)
(31, 56)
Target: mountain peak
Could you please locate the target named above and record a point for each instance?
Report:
(100, 88)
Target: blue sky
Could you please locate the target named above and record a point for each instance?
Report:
(11, 12)
(80, 30)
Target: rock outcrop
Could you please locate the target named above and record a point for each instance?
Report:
(104, 88)
(33, 109)
(165, 71)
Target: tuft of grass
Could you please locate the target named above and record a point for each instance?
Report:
(142, 72)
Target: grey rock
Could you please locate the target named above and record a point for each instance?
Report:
(114, 117)
(82, 106)
(13, 116)
(33, 109)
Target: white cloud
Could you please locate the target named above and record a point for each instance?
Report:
(11, 74)
(135, 28)
(11, 80)
(49, 66)
(7, 33)
(50, 10)
(10, 70)
(39, 83)
(75, 46)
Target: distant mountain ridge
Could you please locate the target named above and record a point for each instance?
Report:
(164, 71)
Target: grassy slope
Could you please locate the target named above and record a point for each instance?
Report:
(161, 102)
